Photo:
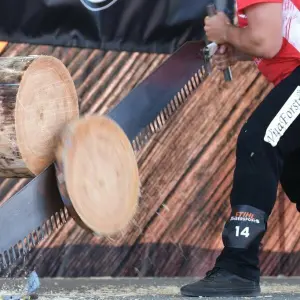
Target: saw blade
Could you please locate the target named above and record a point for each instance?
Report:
(147, 107)
(38, 207)
(28, 216)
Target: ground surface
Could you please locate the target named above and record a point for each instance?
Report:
(134, 289)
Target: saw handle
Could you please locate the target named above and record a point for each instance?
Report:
(211, 10)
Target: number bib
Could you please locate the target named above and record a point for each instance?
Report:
(245, 225)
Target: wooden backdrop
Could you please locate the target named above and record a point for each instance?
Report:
(186, 172)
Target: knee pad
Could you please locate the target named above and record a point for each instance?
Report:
(245, 227)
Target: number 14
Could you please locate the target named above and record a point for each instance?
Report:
(244, 232)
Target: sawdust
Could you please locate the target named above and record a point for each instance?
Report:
(107, 292)
(280, 288)
(6, 290)
(135, 291)
(110, 292)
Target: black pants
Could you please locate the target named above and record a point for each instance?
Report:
(262, 161)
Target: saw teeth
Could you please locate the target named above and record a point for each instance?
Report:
(178, 100)
(20, 251)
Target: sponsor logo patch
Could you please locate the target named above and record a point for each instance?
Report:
(244, 216)
(284, 118)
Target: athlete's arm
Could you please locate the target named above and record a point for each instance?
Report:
(261, 38)
(263, 35)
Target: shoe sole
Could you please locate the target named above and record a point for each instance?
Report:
(224, 293)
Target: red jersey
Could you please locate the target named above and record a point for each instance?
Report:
(288, 58)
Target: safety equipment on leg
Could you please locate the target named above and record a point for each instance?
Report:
(246, 226)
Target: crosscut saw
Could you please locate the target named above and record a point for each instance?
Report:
(37, 210)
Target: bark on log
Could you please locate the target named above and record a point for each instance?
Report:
(97, 174)
(37, 97)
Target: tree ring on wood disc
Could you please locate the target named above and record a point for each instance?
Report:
(46, 100)
(99, 182)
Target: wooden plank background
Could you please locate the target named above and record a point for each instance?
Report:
(186, 174)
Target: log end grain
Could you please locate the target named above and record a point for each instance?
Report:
(46, 100)
(98, 174)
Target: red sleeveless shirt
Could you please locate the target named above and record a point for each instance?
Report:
(288, 58)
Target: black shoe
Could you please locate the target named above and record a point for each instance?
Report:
(221, 283)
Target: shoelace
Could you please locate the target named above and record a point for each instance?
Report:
(212, 273)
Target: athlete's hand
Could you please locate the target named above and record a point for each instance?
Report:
(224, 57)
(216, 28)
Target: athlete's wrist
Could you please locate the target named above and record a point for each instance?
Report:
(227, 29)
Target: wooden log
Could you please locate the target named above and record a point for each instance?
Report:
(37, 97)
(97, 174)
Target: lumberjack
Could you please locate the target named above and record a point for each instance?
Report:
(268, 145)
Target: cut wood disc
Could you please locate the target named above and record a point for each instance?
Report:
(46, 100)
(98, 174)
(37, 97)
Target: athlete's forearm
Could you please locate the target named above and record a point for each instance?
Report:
(249, 43)
(241, 56)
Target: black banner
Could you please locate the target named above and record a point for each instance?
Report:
(159, 26)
